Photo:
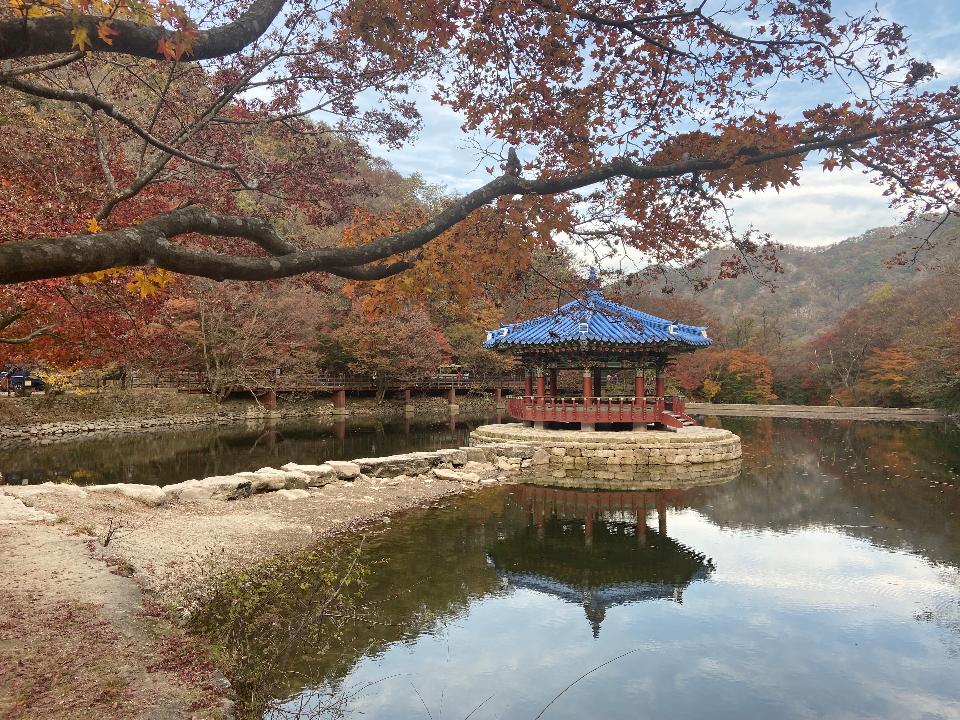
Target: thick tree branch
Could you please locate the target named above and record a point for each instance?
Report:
(149, 243)
(31, 37)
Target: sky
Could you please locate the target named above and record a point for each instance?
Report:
(825, 208)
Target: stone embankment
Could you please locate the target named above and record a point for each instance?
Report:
(819, 412)
(622, 455)
(487, 465)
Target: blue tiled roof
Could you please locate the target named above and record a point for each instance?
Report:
(597, 320)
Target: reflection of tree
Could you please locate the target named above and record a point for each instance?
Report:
(894, 484)
(594, 548)
(175, 455)
(424, 572)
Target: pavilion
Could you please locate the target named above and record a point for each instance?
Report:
(595, 337)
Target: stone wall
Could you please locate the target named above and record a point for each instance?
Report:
(613, 453)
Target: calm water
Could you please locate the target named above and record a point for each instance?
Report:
(822, 582)
(173, 456)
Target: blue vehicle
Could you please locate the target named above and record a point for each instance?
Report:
(20, 381)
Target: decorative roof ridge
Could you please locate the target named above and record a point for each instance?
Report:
(594, 318)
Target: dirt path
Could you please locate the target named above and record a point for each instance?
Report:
(75, 643)
(78, 636)
(819, 412)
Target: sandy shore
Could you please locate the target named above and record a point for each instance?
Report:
(86, 631)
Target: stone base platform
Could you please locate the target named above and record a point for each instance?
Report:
(623, 456)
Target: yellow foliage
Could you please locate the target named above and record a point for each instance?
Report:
(93, 226)
(144, 283)
(148, 284)
(28, 9)
(710, 389)
(81, 39)
(100, 275)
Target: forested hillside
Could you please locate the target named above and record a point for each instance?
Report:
(843, 324)
(818, 285)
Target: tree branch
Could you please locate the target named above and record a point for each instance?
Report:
(149, 243)
(31, 37)
(110, 111)
(45, 330)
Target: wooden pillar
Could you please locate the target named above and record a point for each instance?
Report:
(528, 382)
(597, 382)
(587, 398)
(498, 397)
(340, 402)
(552, 385)
(340, 429)
(270, 399)
(538, 402)
(642, 525)
(661, 383)
(407, 401)
(639, 404)
(453, 399)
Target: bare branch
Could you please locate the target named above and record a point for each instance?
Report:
(45, 330)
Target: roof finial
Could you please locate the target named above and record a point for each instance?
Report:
(593, 293)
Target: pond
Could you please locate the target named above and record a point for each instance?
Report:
(822, 581)
(171, 456)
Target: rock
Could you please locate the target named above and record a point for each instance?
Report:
(483, 469)
(456, 476)
(393, 465)
(12, 511)
(540, 457)
(147, 494)
(344, 470)
(293, 494)
(317, 475)
(30, 491)
(226, 487)
(489, 481)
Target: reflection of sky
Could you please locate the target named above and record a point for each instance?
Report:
(806, 624)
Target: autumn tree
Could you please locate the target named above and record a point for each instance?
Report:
(739, 376)
(635, 121)
(900, 347)
(401, 345)
(239, 336)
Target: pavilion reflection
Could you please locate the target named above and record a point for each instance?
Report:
(595, 548)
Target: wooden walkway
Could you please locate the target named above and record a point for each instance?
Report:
(327, 384)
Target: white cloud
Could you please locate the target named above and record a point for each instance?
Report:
(825, 208)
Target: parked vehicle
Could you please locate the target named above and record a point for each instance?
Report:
(20, 381)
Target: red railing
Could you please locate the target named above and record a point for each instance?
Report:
(649, 409)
